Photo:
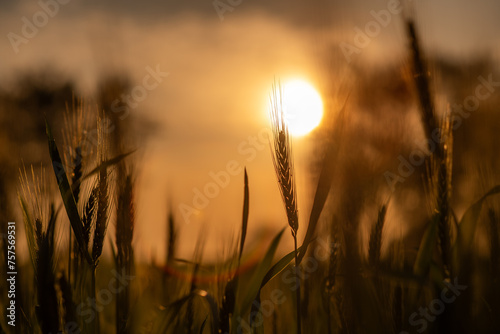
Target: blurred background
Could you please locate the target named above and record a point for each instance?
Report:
(215, 63)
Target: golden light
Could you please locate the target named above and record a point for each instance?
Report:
(303, 107)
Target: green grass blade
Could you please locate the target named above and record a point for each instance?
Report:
(322, 190)
(426, 248)
(167, 317)
(106, 164)
(67, 194)
(257, 327)
(467, 227)
(244, 223)
(271, 273)
(255, 284)
(202, 327)
(212, 306)
(279, 266)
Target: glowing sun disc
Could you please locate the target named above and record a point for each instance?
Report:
(303, 107)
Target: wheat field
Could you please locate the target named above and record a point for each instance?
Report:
(403, 240)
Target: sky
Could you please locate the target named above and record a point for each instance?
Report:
(221, 58)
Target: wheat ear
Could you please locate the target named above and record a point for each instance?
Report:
(283, 165)
(282, 158)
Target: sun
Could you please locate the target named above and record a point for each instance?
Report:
(303, 107)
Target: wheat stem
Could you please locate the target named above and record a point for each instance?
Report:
(283, 165)
(297, 292)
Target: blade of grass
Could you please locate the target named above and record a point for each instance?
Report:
(244, 223)
(421, 79)
(202, 327)
(105, 164)
(167, 316)
(375, 242)
(230, 290)
(279, 266)
(257, 326)
(323, 188)
(426, 248)
(171, 238)
(67, 194)
(212, 306)
(256, 280)
(467, 227)
(271, 273)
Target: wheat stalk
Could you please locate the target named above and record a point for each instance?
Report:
(443, 193)
(101, 222)
(283, 159)
(41, 244)
(101, 216)
(67, 301)
(32, 194)
(439, 185)
(75, 124)
(125, 220)
(89, 214)
(47, 309)
(397, 307)
(125, 216)
(74, 132)
(283, 165)
(421, 79)
(441, 159)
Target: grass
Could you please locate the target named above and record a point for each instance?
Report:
(329, 283)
